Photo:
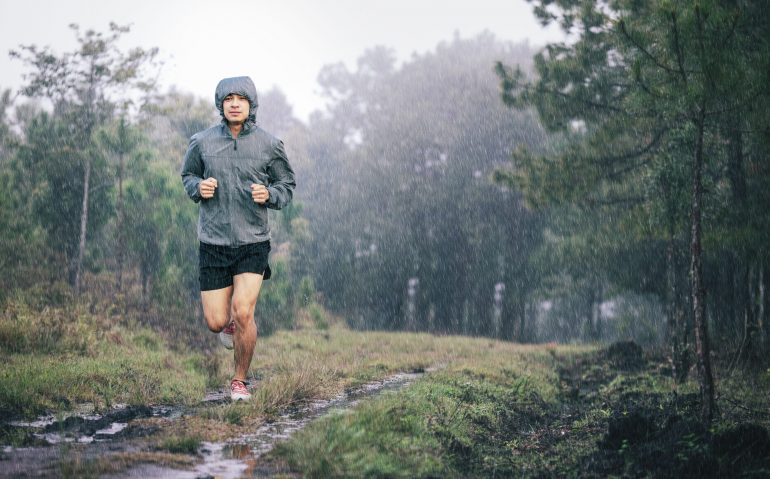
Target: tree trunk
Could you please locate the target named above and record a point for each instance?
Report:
(677, 321)
(743, 304)
(89, 120)
(598, 329)
(675, 310)
(121, 246)
(83, 226)
(702, 348)
(526, 327)
(522, 336)
(761, 320)
(747, 353)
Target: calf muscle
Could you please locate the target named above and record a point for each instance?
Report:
(245, 294)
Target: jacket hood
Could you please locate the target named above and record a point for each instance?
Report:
(242, 86)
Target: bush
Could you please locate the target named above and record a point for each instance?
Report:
(275, 305)
(306, 294)
(27, 329)
(318, 315)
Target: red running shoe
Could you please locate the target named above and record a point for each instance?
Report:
(238, 391)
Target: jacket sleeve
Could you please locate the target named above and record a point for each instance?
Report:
(282, 184)
(192, 170)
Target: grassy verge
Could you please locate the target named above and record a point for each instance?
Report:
(460, 421)
(574, 414)
(440, 427)
(56, 357)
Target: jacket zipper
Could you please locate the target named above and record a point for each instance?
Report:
(234, 138)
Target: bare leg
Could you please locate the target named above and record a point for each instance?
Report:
(216, 307)
(246, 287)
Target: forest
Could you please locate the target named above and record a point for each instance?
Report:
(613, 187)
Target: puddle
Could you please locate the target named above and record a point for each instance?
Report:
(86, 427)
(91, 433)
(86, 411)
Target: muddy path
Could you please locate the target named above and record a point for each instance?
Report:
(116, 444)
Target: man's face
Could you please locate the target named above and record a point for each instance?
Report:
(236, 108)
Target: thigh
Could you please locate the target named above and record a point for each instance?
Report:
(216, 306)
(246, 287)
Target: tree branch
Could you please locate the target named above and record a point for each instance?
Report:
(642, 49)
(634, 153)
(678, 49)
(600, 106)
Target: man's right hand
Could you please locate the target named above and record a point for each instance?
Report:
(207, 188)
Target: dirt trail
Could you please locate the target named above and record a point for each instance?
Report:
(90, 438)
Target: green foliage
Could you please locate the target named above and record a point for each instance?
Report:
(318, 315)
(306, 291)
(414, 200)
(36, 329)
(53, 184)
(639, 319)
(641, 93)
(68, 178)
(21, 240)
(275, 307)
(403, 180)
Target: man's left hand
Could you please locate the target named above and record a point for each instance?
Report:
(259, 193)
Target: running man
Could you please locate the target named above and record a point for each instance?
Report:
(236, 171)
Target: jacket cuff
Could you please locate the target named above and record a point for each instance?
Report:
(272, 201)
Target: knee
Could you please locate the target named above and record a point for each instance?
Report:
(243, 313)
(216, 323)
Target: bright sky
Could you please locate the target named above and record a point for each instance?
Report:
(281, 43)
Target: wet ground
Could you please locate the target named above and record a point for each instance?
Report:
(83, 437)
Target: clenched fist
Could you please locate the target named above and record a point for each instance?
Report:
(207, 188)
(259, 194)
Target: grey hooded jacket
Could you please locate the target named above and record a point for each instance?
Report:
(231, 217)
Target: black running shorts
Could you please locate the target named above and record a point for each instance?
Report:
(218, 264)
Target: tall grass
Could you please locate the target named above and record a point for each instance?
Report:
(54, 357)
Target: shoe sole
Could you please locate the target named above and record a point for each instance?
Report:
(226, 340)
(240, 397)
